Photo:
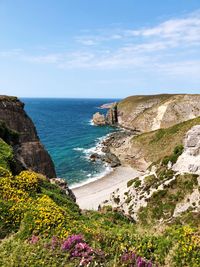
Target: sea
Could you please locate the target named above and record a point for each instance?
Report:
(66, 130)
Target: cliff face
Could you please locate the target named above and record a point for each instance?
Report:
(167, 190)
(189, 161)
(149, 113)
(28, 150)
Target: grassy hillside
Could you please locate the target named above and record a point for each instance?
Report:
(6, 154)
(155, 145)
(42, 226)
(130, 103)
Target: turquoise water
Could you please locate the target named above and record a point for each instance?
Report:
(64, 127)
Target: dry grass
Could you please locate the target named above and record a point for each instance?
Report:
(160, 143)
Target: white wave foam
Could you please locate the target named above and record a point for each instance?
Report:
(95, 149)
(89, 151)
(91, 123)
(78, 149)
(94, 178)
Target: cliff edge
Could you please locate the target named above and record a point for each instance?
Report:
(29, 153)
(149, 113)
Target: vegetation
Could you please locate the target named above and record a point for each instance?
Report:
(8, 135)
(178, 150)
(128, 104)
(6, 155)
(158, 144)
(42, 226)
(34, 212)
(162, 203)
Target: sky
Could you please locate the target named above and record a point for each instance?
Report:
(99, 48)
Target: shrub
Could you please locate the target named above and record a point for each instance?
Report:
(187, 251)
(130, 183)
(137, 182)
(28, 181)
(178, 150)
(5, 172)
(150, 181)
(46, 218)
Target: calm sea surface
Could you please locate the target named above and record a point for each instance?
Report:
(64, 127)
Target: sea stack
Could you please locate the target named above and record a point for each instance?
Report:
(99, 119)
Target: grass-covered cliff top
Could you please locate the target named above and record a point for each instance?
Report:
(130, 103)
(8, 98)
(160, 143)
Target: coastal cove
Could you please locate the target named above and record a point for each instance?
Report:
(65, 128)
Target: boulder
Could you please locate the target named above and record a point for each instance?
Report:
(189, 161)
(111, 159)
(94, 157)
(99, 119)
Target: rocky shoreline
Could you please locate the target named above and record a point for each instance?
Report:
(115, 139)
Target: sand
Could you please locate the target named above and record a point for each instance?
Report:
(89, 196)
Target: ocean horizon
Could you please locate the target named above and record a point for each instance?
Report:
(65, 128)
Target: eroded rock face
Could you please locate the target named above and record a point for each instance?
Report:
(189, 161)
(112, 116)
(149, 113)
(99, 119)
(28, 151)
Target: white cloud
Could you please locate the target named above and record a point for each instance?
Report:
(178, 30)
(168, 47)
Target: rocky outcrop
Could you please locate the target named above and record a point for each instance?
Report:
(112, 117)
(149, 113)
(28, 150)
(189, 161)
(99, 119)
(64, 186)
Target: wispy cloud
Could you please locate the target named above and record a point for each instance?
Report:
(167, 46)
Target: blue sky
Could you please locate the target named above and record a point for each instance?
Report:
(99, 48)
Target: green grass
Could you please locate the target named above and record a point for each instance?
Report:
(8, 135)
(47, 211)
(6, 155)
(130, 103)
(162, 203)
(154, 146)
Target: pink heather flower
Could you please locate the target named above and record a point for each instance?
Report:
(34, 239)
(133, 260)
(54, 242)
(71, 241)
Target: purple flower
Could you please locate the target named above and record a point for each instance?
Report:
(34, 239)
(54, 242)
(71, 241)
(128, 256)
(133, 260)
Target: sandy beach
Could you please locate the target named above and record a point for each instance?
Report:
(89, 196)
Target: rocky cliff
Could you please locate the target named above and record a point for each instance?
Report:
(149, 113)
(189, 161)
(29, 153)
(169, 189)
